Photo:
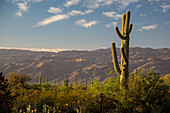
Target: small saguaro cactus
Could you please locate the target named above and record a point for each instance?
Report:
(86, 85)
(75, 81)
(91, 79)
(65, 82)
(40, 80)
(58, 84)
(123, 68)
(46, 80)
(55, 83)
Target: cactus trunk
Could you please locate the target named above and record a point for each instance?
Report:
(123, 68)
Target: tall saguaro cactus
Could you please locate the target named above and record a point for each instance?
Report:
(123, 68)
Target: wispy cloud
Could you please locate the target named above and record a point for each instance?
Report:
(113, 15)
(149, 27)
(142, 14)
(54, 10)
(33, 1)
(153, 0)
(23, 6)
(111, 24)
(93, 4)
(71, 2)
(167, 23)
(86, 24)
(139, 5)
(36, 1)
(76, 12)
(18, 14)
(165, 8)
(52, 19)
(60, 17)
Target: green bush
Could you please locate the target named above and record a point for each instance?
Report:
(147, 92)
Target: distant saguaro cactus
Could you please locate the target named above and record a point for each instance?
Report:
(46, 80)
(75, 81)
(123, 68)
(40, 79)
(58, 84)
(91, 79)
(65, 82)
(86, 84)
(55, 82)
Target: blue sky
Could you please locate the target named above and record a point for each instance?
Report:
(82, 24)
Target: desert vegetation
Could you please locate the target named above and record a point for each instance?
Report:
(147, 92)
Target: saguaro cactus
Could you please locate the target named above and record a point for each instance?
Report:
(91, 79)
(46, 80)
(75, 81)
(40, 80)
(65, 82)
(123, 68)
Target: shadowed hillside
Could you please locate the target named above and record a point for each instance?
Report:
(79, 64)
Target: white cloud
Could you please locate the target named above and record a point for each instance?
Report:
(34, 1)
(54, 10)
(142, 14)
(60, 17)
(75, 12)
(149, 27)
(18, 14)
(93, 4)
(167, 23)
(52, 19)
(165, 8)
(112, 15)
(38, 49)
(71, 2)
(111, 24)
(23, 6)
(86, 24)
(153, 0)
(139, 5)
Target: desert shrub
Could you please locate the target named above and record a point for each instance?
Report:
(146, 93)
(18, 81)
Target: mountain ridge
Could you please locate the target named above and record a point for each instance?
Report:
(79, 64)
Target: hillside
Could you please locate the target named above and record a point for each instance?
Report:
(79, 64)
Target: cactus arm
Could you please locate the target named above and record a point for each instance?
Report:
(118, 33)
(115, 61)
(123, 23)
(127, 22)
(130, 28)
(123, 55)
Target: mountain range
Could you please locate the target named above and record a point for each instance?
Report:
(79, 64)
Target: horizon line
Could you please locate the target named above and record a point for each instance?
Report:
(61, 49)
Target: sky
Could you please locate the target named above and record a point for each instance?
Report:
(82, 24)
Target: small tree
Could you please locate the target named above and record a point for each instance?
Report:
(5, 98)
(18, 80)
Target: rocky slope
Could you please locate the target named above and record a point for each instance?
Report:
(79, 64)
